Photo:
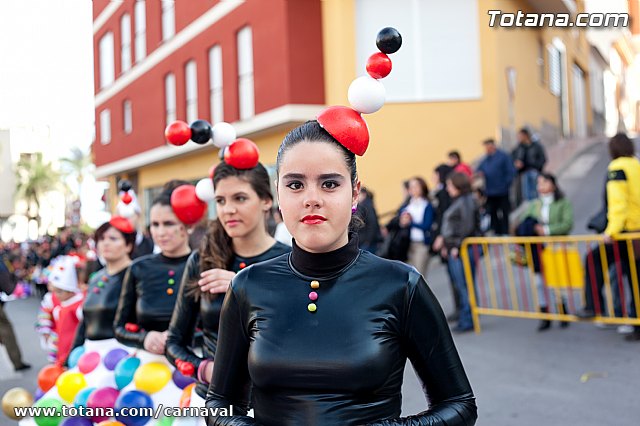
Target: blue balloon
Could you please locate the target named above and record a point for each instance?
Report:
(133, 399)
(81, 397)
(39, 393)
(180, 380)
(125, 370)
(74, 356)
(76, 421)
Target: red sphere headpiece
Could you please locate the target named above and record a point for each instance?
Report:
(122, 224)
(366, 95)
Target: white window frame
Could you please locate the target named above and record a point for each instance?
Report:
(106, 55)
(168, 19)
(105, 126)
(191, 90)
(127, 116)
(170, 98)
(125, 42)
(246, 90)
(216, 99)
(140, 18)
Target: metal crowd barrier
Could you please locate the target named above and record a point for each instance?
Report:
(511, 276)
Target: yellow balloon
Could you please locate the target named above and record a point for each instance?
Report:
(14, 398)
(110, 423)
(152, 377)
(69, 384)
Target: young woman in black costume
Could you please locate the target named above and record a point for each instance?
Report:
(115, 241)
(236, 239)
(151, 285)
(323, 334)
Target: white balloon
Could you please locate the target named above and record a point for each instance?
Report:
(204, 190)
(366, 94)
(223, 134)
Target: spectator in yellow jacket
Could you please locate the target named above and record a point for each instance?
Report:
(623, 215)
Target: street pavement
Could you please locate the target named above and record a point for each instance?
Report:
(582, 375)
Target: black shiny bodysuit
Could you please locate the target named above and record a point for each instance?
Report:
(149, 293)
(342, 364)
(99, 307)
(188, 311)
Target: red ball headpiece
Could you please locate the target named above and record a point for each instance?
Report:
(366, 95)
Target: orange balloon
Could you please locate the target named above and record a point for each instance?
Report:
(111, 423)
(185, 398)
(48, 375)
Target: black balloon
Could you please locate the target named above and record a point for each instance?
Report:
(200, 131)
(389, 40)
(125, 185)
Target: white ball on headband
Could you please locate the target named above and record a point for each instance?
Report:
(204, 190)
(223, 134)
(366, 94)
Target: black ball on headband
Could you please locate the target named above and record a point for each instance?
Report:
(388, 40)
(125, 185)
(200, 131)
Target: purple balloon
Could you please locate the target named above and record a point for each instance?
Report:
(113, 357)
(180, 380)
(39, 393)
(76, 421)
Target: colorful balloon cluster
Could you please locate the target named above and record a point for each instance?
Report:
(189, 202)
(73, 390)
(366, 95)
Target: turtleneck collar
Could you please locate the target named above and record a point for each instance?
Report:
(322, 265)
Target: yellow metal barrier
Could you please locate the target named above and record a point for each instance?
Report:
(512, 276)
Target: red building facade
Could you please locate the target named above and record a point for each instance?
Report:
(257, 64)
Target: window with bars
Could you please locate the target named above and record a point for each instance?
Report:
(215, 84)
(191, 90)
(555, 70)
(105, 126)
(125, 42)
(245, 73)
(140, 17)
(127, 117)
(168, 19)
(170, 98)
(107, 69)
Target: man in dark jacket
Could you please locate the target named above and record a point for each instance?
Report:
(498, 172)
(529, 159)
(7, 336)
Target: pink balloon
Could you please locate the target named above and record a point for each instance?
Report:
(102, 398)
(88, 362)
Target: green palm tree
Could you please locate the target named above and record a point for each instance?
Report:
(77, 165)
(34, 178)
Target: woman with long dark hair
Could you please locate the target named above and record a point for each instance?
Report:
(237, 238)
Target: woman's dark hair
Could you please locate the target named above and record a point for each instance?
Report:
(557, 193)
(311, 131)
(164, 198)
(621, 146)
(129, 238)
(443, 170)
(216, 248)
(461, 182)
(423, 186)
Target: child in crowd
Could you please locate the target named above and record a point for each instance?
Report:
(61, 308)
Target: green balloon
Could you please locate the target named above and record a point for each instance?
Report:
(51, 416)
(166, 421)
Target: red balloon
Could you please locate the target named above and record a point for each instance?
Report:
(186, 369)
(178, 133)
(186, 205)
(242, 154)
(347, 126)
(378, 65)
(127, 198)
(48, 375)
